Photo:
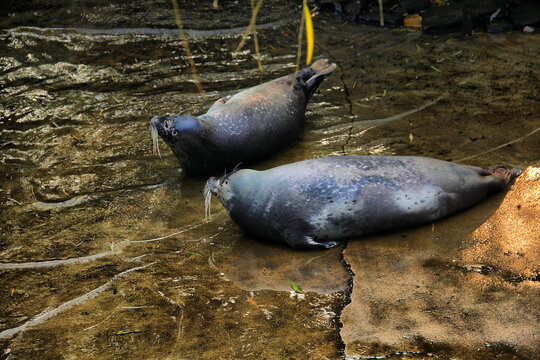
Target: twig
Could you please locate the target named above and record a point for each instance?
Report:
(118, 249)
(381, 121)
(381, 15)
(249, 28)
(498, 147)
(257, 53)
(189, 227)
(15, 201)
(43, 317)
(132, 307)
(299, 54)
(186, 47)
(70, 261)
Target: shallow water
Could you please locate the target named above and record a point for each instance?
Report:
(83, 199)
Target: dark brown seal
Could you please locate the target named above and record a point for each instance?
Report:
(251, 125)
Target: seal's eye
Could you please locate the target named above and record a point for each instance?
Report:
(174, 132)
(226, 182)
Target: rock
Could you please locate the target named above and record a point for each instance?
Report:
(499, 26)
(414, 21)
(415, 6)
(331, 5)
(527, 13)
(353, 9)
(444, 19)
(465, 287)
(387, 4)
(390, 19)
(483, 9)
(338, 9)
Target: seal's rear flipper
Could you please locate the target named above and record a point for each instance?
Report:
(310, 78)
(502, 172)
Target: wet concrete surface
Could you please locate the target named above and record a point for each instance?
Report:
(443, 288)
(84, 200)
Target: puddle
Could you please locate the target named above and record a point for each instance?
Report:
(83, 199)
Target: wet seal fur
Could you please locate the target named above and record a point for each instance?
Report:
(316, 203)
(250, 125)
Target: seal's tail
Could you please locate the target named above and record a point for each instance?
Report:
(310, 78)
(504, 173)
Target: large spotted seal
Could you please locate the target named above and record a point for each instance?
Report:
(316, 203)
(252, 124)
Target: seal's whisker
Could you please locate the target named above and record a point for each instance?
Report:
(207, 201)
(155, 139)
(236, 168)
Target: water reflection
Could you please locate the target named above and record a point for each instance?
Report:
(255, 265)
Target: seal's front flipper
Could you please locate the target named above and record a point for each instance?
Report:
(299, 240)
(326, 244)
(220, 101)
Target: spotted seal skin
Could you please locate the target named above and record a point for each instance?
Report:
(316, 203)
(250, 125)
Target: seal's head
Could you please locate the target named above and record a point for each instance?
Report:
(174, 128)
(220, 188)
(185, 135)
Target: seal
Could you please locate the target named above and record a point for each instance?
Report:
(316, 203)
(250, 125)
